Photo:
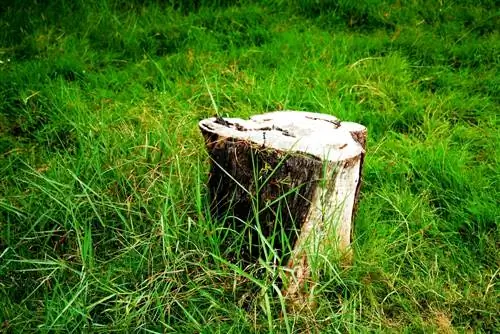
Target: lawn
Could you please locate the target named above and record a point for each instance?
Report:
(103, 202)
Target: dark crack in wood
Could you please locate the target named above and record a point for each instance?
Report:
(334, 122)
(239, 127)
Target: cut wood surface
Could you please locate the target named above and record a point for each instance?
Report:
(300, 170)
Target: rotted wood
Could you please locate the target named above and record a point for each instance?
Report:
(295, 175)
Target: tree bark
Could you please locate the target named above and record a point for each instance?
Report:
(290, 180)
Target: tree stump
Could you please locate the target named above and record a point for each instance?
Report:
(289, 181)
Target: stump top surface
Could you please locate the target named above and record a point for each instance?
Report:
(321, 135)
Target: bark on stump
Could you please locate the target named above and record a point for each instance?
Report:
(299, 170)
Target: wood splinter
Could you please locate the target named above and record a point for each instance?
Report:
(300, 170)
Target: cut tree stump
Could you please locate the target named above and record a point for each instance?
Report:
(295, 177)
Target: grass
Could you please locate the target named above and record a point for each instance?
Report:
(103, 205)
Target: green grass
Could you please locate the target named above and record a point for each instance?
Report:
(103, 205)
